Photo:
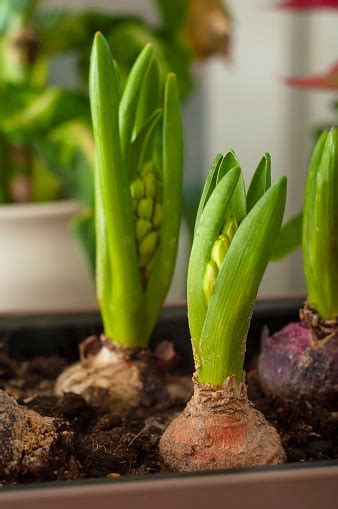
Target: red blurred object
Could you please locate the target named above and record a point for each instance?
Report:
(309, 4)
(326, 81)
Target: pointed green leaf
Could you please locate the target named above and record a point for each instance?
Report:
(209, 186)
(138, 148)
(229, 161)
(103, 272)
(260, 182)
(238, 204)
(131, 95)
(150, 99)
(222, 343)
(161, 276)
(115, 231)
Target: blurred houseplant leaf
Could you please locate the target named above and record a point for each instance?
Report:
(48, 109)
(68, 151)
(40, 122)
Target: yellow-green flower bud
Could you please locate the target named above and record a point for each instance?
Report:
(145, 208)
(150, 185)
(158, 215)
(137, 189)
(230, 227)
(148, 167)
(210, 276)
(143, 227)
(147, 248)
(219, 250)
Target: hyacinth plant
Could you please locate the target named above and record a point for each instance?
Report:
(233, 241)
(138, 181)
(302, 358)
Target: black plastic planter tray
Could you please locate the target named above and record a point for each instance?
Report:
(291, 486)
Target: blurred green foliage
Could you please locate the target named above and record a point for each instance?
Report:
(46, 143)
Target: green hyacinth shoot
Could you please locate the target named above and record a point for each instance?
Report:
(320, 227)
(138, 188)
(234, 236)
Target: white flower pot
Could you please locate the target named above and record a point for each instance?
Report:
(42, 268)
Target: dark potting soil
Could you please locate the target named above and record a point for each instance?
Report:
(308, 429)
(107, 445)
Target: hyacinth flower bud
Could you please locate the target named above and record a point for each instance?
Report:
(150, 185)
(218, 253)
(143, 227)
(146, 192)
(145, 208)
(137, 189)
(219, 250)
(210, 276)
(147, 168)
(230, 227)
(147, 248)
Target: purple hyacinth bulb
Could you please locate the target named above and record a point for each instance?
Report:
(294, 363)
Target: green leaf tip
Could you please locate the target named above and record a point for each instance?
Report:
(261, 181)
(227, 263)
(220, 167)
(320, 225)
(130, 97)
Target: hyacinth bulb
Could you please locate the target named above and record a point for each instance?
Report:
(294, 364)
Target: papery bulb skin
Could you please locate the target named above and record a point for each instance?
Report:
(113, 378)
(294, 363)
